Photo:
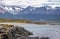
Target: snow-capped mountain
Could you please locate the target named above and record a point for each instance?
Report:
(10, 9)
(29, 10)
(30, 13)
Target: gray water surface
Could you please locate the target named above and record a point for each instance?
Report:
(51, 31)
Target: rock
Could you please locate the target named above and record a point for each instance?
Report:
(44, 38)
(13, 32)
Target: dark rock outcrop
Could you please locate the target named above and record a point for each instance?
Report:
(13, 32)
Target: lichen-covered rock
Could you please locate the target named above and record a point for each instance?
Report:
(14, 31)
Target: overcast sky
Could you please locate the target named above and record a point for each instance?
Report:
(25, 3)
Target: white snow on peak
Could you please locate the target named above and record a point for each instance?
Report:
(9, 9)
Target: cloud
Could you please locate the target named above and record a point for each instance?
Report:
(34, 3)
(54, 0)
(24, 3)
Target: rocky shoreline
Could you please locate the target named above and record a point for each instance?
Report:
(15, 32)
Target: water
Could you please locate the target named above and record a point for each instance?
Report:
(51, 31)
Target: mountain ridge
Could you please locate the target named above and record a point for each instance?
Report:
(29, 10)
(30, 13)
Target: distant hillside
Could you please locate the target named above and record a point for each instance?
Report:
(43, 13)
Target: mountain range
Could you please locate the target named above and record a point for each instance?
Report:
(30, 13)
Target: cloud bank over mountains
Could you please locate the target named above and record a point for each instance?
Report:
(23, 3)
(34, 3)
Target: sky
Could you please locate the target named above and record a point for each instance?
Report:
(54, 0)
(34, 3)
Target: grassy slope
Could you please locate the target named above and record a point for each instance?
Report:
(20, 21)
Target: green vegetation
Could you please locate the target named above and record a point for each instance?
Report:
(15, 20)
(21, 21)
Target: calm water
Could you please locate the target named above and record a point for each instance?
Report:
(51, 31)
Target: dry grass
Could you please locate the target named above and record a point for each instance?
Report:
(21, 21)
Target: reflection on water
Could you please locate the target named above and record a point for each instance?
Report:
(51, 31)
